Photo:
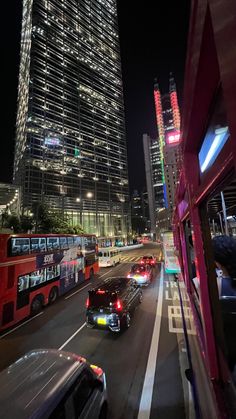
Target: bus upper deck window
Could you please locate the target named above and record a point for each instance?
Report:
(20, 246)
(70, 241)
(63, 243)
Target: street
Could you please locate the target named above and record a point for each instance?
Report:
(124, 357)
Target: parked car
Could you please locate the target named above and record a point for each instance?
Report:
(52, 384)
(111, 304)
(141, 274)
(148, 260)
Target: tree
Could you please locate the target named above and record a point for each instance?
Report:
(49, 221)
(12, 221)
(26, 223)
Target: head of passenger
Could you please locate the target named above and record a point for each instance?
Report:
(224, 248)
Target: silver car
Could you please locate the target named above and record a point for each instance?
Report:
(52, 384)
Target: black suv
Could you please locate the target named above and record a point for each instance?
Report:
(111, 304)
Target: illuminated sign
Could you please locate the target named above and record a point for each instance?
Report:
(212, 146)
(172, 137)
(52, 141)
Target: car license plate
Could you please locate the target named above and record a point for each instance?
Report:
(101, 320)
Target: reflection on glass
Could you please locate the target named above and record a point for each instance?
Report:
(23, 283)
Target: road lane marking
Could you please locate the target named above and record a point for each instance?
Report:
(147, 391)
(20, 325)
(105, 273)
(71, 295)
(72, 336)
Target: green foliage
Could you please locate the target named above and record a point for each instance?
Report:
(26, 223)
(17, 224)
(13, 222)
(49, 221)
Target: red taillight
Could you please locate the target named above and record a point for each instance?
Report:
(101, 292)
(87, 302)
(152, 262)
(142, 261)
(98, 371)
(118, 305)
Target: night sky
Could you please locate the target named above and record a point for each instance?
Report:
(153, 43)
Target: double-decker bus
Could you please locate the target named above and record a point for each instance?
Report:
(205, 208)
(36, 269)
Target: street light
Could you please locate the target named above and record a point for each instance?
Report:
(77, 199)
(89, 195)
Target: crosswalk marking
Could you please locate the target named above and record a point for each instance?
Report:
(130, 258)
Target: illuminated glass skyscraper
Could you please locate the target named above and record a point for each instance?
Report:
(70, 137)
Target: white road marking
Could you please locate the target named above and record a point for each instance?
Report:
(105, 273)
(71, 295)
(20, 325)
(72, 336)
(146, 396)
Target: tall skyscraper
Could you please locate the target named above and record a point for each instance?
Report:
(70, 137)
(154, 178)
(161, 156)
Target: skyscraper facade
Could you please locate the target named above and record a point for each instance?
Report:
(70, 137)
(161, 157)
(154, 178)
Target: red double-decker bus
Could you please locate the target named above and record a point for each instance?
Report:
(36, 269)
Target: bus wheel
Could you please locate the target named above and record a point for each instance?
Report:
(53, 295)
(91, 275)
(36, 306)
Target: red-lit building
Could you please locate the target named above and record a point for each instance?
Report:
(168, 125)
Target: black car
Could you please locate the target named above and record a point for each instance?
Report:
(52, 384)
(111, 304)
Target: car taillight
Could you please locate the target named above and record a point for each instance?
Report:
(98, 371)
(142, 261)
(87, 302)
(152, 262)
(118, 305)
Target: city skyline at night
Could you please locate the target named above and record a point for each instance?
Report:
(70, 137)
(145, 54)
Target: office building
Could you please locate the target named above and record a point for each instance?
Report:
(139, 212)
(70, 137)
(154, 178)
(168, 125)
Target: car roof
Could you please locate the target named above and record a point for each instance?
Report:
(32, 386)
(111, 284)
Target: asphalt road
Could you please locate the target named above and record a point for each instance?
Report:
(123, 357)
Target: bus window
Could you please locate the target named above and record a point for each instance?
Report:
(63, 243)
(53, 243)
(221, 215)
(37, 277)
(20, 246)
(38, 244)
(23, 283)
(52, 272)
(78, 241)
(70, 241)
